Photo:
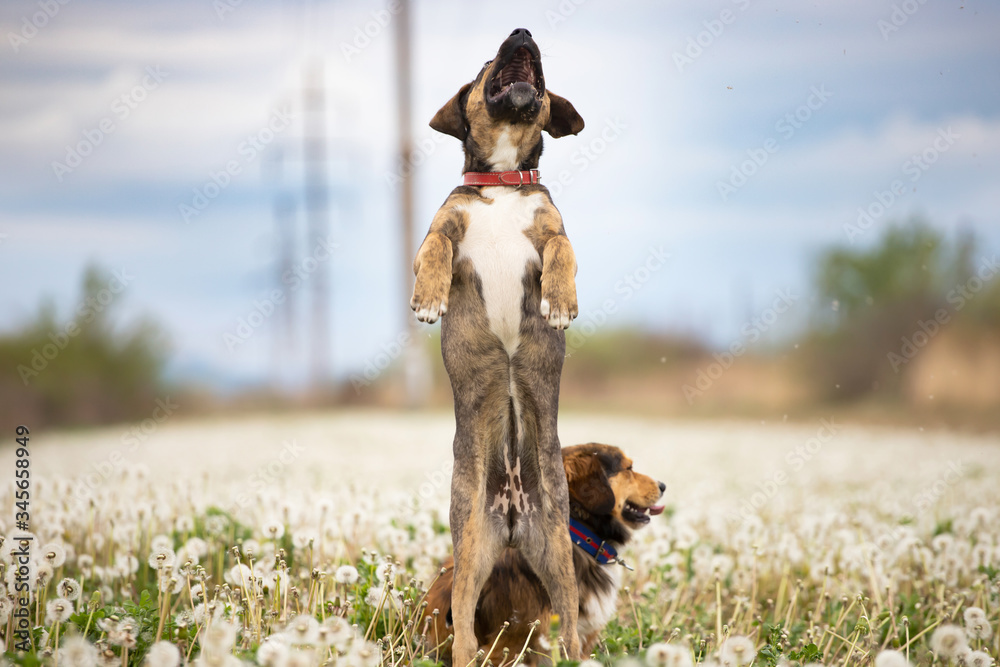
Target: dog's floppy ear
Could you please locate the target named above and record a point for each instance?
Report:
(588, 483)
(563, 118)
(450, 119)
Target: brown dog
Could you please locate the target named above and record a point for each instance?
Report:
(607, 501)
(497, 260)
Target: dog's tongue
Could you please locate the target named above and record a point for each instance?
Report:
(655, 509)
(521, 94)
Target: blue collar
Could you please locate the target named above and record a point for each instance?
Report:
(588, 540)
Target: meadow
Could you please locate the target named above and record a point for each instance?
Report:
(311, 539)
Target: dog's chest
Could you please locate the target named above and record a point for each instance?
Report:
(500, 252)
(598, 606)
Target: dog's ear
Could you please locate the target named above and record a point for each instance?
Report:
(588, 483)
(563, 118)
(450, 119)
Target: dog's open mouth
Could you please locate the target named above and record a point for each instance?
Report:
(638, 514)
(519, 78)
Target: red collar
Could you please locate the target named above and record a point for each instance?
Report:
(501, 177)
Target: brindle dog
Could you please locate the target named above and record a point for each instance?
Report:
(497, 261)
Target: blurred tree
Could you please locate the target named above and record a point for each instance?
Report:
(86, 369)
(872, 298)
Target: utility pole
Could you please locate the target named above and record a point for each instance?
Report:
(317, 215)
(284, 230)
(415, 367)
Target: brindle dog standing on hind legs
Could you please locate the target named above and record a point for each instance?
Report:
(497, 261)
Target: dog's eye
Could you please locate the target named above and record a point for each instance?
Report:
(487, 63)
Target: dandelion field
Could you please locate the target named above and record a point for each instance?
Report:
(311, 540)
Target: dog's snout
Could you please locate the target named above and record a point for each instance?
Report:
(519, 31)
(663, 487)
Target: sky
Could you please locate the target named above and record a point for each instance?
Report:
(727, 145)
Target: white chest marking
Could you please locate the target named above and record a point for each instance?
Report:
(500, 253)
(504, 157)
(598, 608)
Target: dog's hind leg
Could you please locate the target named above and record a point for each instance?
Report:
(545, 541)
(550, 554)
(477, 545)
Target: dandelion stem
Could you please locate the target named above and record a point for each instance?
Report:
(506, 624)
(524, 648)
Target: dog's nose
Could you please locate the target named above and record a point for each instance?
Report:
(519, 31)
(663, 487)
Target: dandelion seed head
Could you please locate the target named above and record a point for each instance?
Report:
(162, 557)
(346, 574)
(58, 611)
(273, 529)
(978, 659)
(163, 654)
(362, 654)
(251, 549)
(299, 658)
(302, 629)
(161, 543)
(54, 554)
(667, 655)
(219, 637)
(737, 650)
(972, 614)
(979, 629)
(273, 651)
(69, 589)
(891, 658)
(77, 652)
(947, 640)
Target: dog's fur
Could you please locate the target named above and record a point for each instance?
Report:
(497, 261)
(609, 498)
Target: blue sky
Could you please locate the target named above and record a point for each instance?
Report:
(666, 124)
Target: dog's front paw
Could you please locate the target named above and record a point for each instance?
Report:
(558, 312)
(429, 305)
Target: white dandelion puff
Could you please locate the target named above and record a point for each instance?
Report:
(667, 655)
(299, 658)
(196, 547)
(163, 654)
(947, 640)
(77, 652)
(58, 611)
(979, 629)
(86, 564)
(162, 557)
(251, 548)
(69, 589)
(238, 575)
(978, 659)
(303, 629)
(273, 651)
(160, 542)
(6, 606)
(362, 654)
(273, 529)
(972, 614)
(219, 637)
(54, 554)
(335, 632)
(737, 650)
(891, 658)
(346, 574)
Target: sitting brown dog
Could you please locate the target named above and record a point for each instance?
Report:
(607, 501)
